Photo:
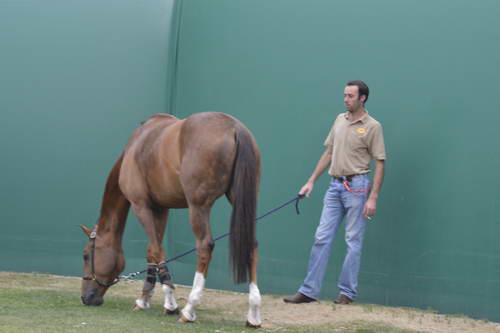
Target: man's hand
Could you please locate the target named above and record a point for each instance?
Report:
(370, 207)
(307, 189)
(371, 204)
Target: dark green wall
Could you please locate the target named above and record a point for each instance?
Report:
(76, 77)
(433, 68)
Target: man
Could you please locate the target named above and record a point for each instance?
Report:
(354, 140)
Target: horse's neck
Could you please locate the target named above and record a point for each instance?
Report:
(115, 206)
(113, 217)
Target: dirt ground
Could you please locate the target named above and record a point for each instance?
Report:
(276, 314)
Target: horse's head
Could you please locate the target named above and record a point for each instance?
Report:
(103, 261)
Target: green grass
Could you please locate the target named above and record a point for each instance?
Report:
(37, 303)
(61, 311)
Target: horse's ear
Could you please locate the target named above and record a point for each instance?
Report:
(86, 230)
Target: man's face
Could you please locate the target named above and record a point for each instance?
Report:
(352, 100)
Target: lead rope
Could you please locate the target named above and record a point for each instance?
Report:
(296, 199)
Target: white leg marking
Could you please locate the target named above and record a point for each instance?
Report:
(194, 297)
(254, 300)
(170, 303)
(142, 304)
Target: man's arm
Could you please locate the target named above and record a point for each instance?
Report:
(324, 161)
(378, 179)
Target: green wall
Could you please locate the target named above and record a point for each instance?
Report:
(76, 77)
(433, 68)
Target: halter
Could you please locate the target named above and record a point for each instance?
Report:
(92, 237)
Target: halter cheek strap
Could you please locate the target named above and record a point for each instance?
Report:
(92, 238)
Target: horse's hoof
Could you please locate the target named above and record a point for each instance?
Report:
(251, 325)
(171, 312)
(184, 320)
(140, 305)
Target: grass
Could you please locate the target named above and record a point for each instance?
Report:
(53, 311)
(39, 303)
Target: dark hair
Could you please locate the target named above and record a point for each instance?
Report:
(362, 88)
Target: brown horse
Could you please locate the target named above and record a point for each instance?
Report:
(173, 163)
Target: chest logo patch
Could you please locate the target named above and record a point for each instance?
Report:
(360, 130)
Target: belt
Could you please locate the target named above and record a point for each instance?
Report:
(347, 178)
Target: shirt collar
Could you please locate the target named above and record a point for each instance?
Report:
(362, 120)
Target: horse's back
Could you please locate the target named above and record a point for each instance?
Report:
(175, 163)
(208, 148)
(209, 131)
(151, 163)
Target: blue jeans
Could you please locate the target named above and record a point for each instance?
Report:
(339, 203)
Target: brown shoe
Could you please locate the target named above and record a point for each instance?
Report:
(299, 298)
(343, 299)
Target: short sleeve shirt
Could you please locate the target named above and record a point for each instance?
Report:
(354, 145)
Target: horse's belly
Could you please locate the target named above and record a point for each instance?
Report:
(168, 194)
(175, 203)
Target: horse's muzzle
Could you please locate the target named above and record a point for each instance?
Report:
(92, 299)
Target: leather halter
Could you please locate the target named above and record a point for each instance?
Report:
(92, 237)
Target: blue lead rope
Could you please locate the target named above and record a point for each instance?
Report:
(296, 199)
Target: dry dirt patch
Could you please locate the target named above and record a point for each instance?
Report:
(276, 314)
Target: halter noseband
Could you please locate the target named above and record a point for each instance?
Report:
(92, 237)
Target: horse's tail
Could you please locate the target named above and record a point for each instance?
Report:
(243, 196)
(114, 204)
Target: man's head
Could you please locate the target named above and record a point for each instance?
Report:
(355, 95)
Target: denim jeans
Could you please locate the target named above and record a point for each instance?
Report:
(339, 203)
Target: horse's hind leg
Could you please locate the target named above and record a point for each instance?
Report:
(254, 298)
(199, 218)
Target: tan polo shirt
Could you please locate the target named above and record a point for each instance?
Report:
(354, 145)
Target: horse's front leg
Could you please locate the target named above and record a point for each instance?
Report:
(204, 246)
(143, 302)
(170, 304)
(254, 298)
(154, 223)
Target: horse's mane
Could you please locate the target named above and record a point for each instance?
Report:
(114, 207)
